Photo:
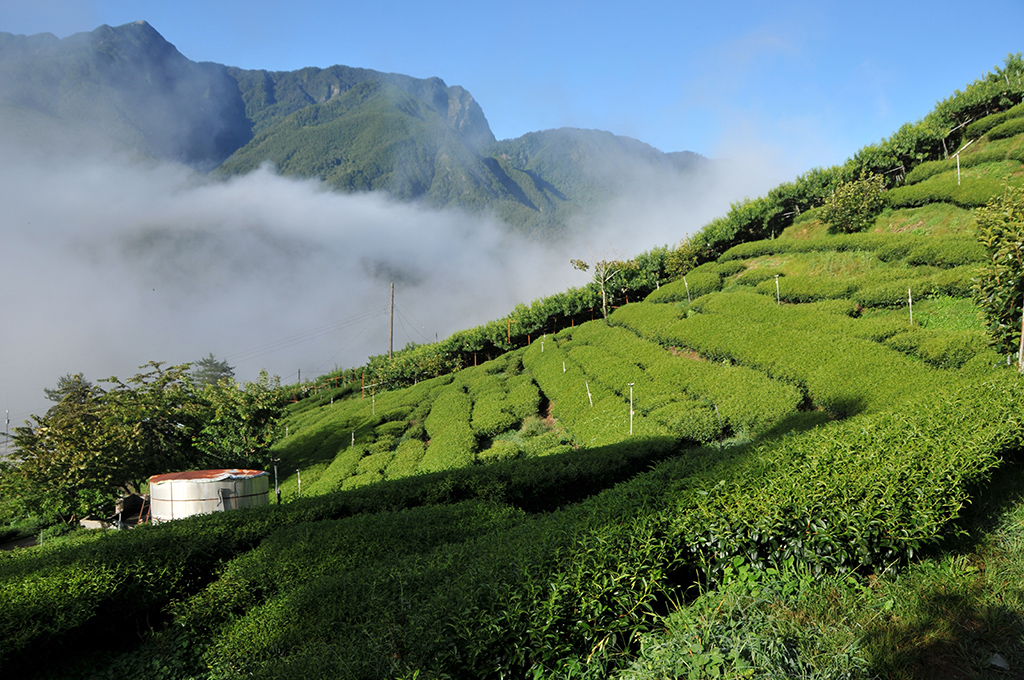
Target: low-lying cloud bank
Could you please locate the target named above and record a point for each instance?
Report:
(110, 262)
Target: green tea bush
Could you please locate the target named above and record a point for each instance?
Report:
(754, 623)
(666, 386)
(752, 249)
(687, 287)
(375, 463)
(855, 508)
(489, 416)
(893, 294)
(939, 348)
(972, 192)
(406, 459)
(341, 468)
(806, 346)
(806, 288)
(1009, 128)
(936, 251)
(968, 160)
(955, 282)
(947, 253)
(752, 277)
(394, 428)
(452, 442)
(983, 125)
(780, 246)
(523, 397)
(501, 450)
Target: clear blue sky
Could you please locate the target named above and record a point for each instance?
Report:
(811, 82)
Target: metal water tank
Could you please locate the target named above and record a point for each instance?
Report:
(197, 492)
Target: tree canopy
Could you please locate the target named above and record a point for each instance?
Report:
(210, 370)
(95, 444)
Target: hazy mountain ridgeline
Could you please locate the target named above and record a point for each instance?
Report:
(128, 89)
(124, 88)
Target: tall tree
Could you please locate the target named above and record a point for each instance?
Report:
(604, 271)
(210, 370)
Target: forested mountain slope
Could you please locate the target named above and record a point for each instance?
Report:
(127, 89)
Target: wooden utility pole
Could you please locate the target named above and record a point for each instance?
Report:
(391, 324)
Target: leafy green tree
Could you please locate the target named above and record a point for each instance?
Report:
(604, 271)
(855, 204)
(999, 290)
(209, 370)
(94, 445)
(242, 419)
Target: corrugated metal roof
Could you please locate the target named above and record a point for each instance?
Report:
(207, 475)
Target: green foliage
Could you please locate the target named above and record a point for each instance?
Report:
(809, 346)
(1009, 128)
(973, 189)
(452, 442)
(942, 349)
(1000, 287)
(210, 371)
(701, 281)
(755, 624)
(95, 445)
(855, 204)
(980, 127)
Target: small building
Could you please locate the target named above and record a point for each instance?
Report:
(198, 492)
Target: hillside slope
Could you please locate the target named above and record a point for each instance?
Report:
(765, 467)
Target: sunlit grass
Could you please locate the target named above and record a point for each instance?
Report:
(936, 219)
(949, 314)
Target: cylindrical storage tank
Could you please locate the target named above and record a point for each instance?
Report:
(198, 492)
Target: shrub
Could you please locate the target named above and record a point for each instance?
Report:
(983, 125)
(1009, 128)
(855, 204)
(688, 287)
(939, 348)
(756, 275)
(806, 288)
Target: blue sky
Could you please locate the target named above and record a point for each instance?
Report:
(807, 82)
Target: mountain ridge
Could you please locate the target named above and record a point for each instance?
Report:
(356, 129)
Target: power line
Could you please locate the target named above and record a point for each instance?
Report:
(411, 328)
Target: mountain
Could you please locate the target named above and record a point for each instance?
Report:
(126, 88)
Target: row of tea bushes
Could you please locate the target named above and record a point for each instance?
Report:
(479, 589)
(103, 585)
(983, 125)
(940, 348)
(746, 400)
(807, 345)
(873, 490)
(594, 414)
(974, 188)
(452, 442)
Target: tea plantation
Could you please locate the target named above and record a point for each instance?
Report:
(796, 457)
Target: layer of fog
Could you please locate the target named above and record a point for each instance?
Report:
(109, 263)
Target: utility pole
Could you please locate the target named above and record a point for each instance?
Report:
(391, 326)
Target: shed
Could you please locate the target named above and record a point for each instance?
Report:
(197, 492)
